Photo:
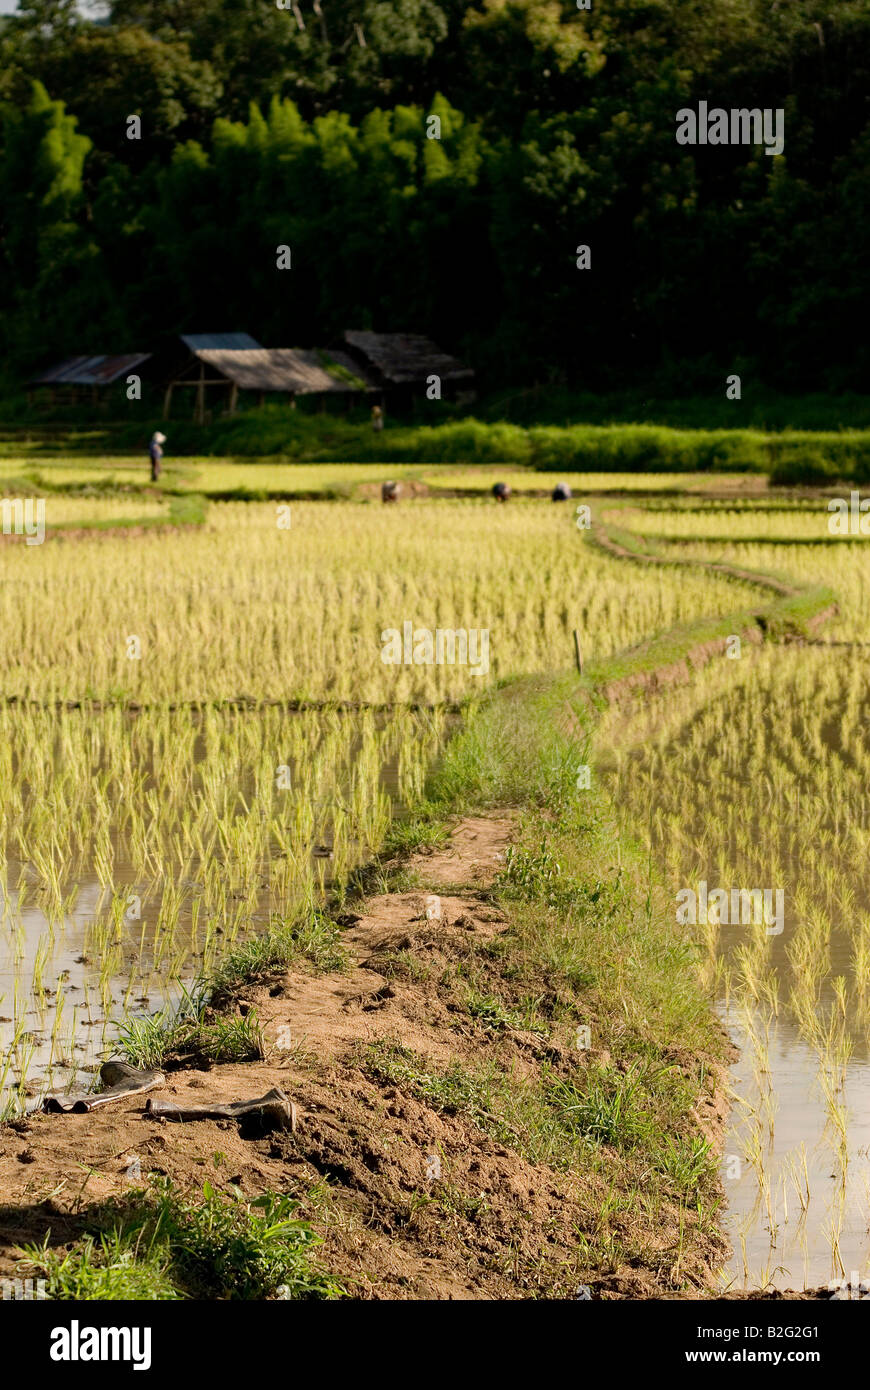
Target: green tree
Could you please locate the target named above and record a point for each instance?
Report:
(105, 75)
(55, 290)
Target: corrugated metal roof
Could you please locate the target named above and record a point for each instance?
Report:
(90, 371)
(300, 371)
(403, 358)
(231, 342)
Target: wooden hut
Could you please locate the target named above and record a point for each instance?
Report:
(85, 379)
(403, 365)
(234, 362)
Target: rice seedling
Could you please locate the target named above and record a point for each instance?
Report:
(240, 608)
(171, 838)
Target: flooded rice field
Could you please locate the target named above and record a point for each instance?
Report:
(135, 848)
(758, 781)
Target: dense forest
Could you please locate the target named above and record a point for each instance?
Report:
(310, 126)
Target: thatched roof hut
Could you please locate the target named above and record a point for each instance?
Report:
(407, 361)
(237, 362)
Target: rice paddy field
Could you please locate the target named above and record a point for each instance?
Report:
(766, 786)
(215, 477)
(138, 846)
(757, 776)
(240, 608)
(198, 730)
(791, 541)
(207, 476)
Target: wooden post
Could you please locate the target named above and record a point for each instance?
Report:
(234, 397)
(200, 395)
(167, 401)
(578, 652)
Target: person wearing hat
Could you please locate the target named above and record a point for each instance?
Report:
(501, 491)
(155, 451)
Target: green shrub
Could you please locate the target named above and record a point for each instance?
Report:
(277, 431)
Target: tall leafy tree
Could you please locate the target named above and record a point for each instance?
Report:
(55, 290)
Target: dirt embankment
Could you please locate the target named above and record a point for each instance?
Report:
(365, 1154)
(415, 1197)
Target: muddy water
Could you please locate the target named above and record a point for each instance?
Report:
(797, 1185)
(62, 1001)
(778, 1236)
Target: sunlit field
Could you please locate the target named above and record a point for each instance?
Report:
(756, 777)
(220, 476)
(141, 842)
(722, 524)
(153, 828)
(139, 845)
(242, 608)
(72, 511)
(480, 479)
(841, 562)
(207, 476)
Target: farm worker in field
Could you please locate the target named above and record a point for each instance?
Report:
(155, 452)
(561, 492)
(377, 418)
(501, 492)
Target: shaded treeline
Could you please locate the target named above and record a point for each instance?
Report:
(307, 127)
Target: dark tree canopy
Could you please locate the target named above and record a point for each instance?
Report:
(309, 126)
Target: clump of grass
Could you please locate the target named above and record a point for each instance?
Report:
(690, 1162)
(315, 938)
(416, 835)
(379, 878)
(159, 1243)
(226, 1040)
(606, 1106)
(111, 1267)
(193, 1029)
(401, 965)
(530, 873)
(145, 1042)
(491, 1011)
